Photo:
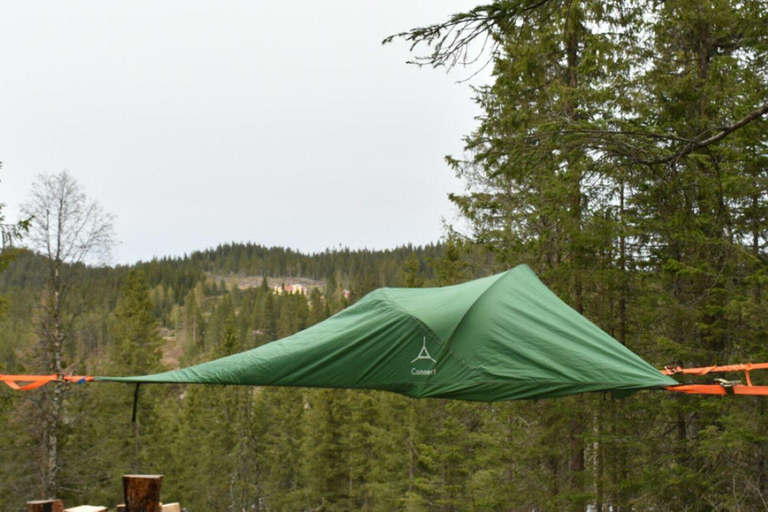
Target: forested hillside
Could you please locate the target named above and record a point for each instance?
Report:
(173, 312)
(186, 291)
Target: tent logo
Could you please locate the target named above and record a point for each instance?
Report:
(424, 354)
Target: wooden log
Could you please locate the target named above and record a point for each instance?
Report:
(45, 506)
(86, 508)
(120, 508)
(171, 507)
(142, 492)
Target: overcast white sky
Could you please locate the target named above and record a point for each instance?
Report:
(197, 123)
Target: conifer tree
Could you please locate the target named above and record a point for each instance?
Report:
(609, 163)
(137, 345)
(9, 235)
(269, 320)
(122, 446)
(451, 267)
(412, 276)
(193, 321)
(317, 307)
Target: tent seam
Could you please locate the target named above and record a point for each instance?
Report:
(392, 304)
(470, 308)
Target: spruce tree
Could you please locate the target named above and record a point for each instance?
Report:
(104, 412)
(616, 155)
(412, 276)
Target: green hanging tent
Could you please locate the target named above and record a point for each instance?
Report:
(503, 337)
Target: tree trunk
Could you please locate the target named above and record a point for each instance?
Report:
(577, 458)
(577, 423)
(52, 420)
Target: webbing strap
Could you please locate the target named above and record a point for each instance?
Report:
(721, 387)
(715, 369)
(717, 389)
(36, 381)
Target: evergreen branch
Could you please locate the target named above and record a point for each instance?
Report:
(613, 133)
(699, 143)
(688, 146)
(451, 39)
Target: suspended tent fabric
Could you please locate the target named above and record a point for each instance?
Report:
(503, 337)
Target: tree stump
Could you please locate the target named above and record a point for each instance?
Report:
(45, 506)
(142, 492)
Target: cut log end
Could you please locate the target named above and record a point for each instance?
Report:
(45, 506)
(142, 492)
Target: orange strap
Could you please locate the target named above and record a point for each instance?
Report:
(724, 388)
(717, 389)
(714, 369)
(36, 381)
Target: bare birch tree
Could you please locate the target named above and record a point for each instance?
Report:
(69, 231)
